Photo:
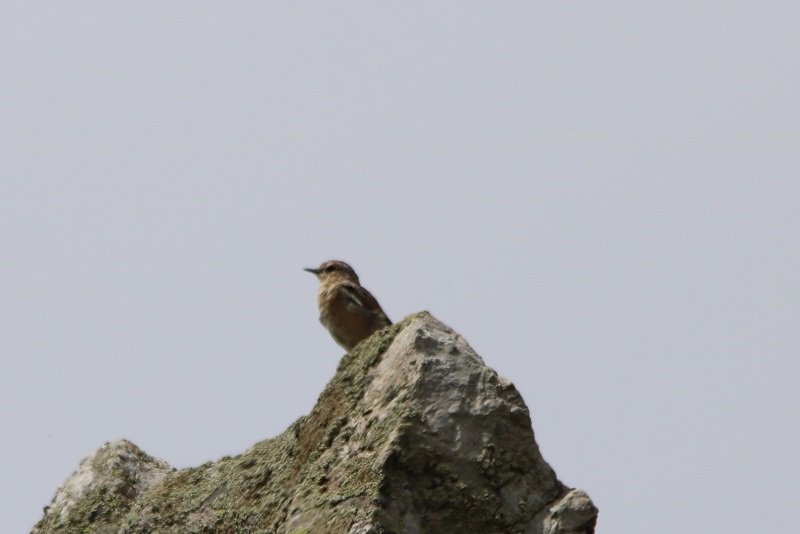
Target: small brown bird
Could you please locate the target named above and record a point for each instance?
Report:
(347, 310)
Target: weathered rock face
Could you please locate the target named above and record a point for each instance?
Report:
(414, 434)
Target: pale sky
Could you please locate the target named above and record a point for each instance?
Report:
(602, 197)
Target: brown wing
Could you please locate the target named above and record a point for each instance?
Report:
(361, 301)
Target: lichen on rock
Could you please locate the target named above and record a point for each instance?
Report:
(413, 434)
(98, 495)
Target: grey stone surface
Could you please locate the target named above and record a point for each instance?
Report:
(97, 495)
(414, 434)
(574, 513)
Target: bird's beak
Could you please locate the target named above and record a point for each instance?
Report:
(312, 271)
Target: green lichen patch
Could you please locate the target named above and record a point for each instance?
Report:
(255, 491)
(101, 492)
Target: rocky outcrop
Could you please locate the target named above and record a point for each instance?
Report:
(414, 434)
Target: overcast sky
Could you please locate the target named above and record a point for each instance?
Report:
(602, 197)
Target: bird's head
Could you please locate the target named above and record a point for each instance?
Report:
(334, 269)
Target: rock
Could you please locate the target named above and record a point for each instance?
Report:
(414, 434)
(97, 496)
(574, 513)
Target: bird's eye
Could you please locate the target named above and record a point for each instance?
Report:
(329, 268)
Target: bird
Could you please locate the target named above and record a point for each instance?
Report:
(348, 311)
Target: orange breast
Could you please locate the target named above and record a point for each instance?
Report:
(342, 319)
